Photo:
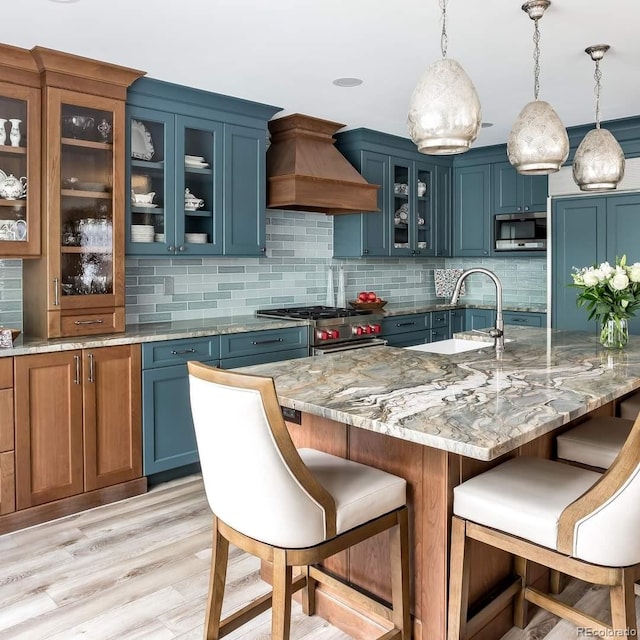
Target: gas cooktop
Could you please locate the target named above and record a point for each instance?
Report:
(312, 313)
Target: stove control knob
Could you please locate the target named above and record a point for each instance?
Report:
(356, 331)
(334, 333)
(322, 335)
(366, 328)
(376, 328)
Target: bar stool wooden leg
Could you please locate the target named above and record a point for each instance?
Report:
(458, 581)
(520, 605)
(399, 556)
(309, 593)
(556, 581)
(623, 609)
(282, 592)
(219, 558)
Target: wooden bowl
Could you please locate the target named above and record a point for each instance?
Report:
(357, 304)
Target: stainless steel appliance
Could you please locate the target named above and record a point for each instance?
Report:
(520, 231)
(334, 329)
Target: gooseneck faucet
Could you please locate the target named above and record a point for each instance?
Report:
(498, 332)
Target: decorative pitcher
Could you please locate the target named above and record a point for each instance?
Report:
(14, 134)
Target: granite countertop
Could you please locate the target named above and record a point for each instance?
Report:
(396, 309)
(474, 403)
(151, 332)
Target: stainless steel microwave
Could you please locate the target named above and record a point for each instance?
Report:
(520, 231)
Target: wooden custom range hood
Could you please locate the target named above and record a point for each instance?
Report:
(306, 172)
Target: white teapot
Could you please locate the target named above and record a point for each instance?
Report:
(191, 202)
(13, 188)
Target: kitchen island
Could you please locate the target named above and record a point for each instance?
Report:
(438, 420)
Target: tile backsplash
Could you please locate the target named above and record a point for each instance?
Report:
(294, 272)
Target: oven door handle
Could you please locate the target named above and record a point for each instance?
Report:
(375, 342)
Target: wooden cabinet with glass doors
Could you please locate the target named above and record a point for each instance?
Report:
(77, 288)
(19, 154)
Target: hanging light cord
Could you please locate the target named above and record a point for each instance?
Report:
(536, 59)
(598, 76)
(444, 41)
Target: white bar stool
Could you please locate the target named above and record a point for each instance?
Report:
(569, 519)
(289, 507)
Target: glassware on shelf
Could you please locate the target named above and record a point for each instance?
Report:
(104, 130)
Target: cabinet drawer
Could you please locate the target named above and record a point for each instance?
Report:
(405, 324)
(524, 319)
(262, 358)
(6, 373)
(86, 323)
(441, 333)
(439, 319)
(233, 345)
(171, 352)
(408, 339)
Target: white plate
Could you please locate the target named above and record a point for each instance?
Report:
(194, 158)
(141, 143)
(144, 205)
(197, 165)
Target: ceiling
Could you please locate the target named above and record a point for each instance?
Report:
(287, 52)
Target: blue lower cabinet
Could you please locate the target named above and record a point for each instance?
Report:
(456, 320)
(440, 333)
(525, 318)
(256, 343)
(479, 319)
(263, 358)
(407, 339)
(169, 439)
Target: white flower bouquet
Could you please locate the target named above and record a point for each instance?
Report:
(611, 294)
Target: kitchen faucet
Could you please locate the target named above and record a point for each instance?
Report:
(498, 332)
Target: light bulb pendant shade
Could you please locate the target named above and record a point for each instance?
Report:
(599, 162)
(444, 111)
(538, 143)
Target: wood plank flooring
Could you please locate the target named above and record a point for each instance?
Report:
(138, 569)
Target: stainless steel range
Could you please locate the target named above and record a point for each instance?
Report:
(334, 329)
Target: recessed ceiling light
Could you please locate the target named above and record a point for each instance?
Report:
(486, 125)
(347, 82)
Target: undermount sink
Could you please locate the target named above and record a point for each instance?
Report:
(451, 346)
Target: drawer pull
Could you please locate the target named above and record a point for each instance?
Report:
(175, 352)
(98, 321)
(405, 324)
(518, 320)
(76, 379)
(92, 372)
(266, 341)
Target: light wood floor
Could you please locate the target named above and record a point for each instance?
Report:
(139, 569)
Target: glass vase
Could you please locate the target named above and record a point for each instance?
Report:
(615, 332)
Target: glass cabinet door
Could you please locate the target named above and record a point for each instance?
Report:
(401, 224)
(19, 171)
(86, 203)
(198, 186)
(423, 188)
(151, 194)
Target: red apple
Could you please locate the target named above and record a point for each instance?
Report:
(363, 296)
(371, 296)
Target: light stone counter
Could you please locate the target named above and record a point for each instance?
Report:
(396, 309)
(151, 332)
(473, 403)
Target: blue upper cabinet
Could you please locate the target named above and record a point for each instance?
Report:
(472, 210)
(515, 193)
(414, 199)
(203, 156)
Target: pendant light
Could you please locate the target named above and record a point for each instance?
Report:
(599, 161)
(444, 111)
(538, 143)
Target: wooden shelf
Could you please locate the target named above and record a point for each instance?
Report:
(76, 193)
(102, 250)
(203, 172)
(147, 164)
(156, 211)
(13, 203)
(200, 213)
(19, 151)
(87, 144)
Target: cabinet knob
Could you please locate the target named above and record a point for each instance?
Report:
(171, 249)
(263, 249)
(526, 208)
(518, 208)
(182, 248)
(486, 253)
(365, 251)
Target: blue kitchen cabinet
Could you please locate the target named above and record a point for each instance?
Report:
(416, 328)
(515, 193)
(365, 234)
(457, 320)
(258, 347)
(440, 326)
(168, 437)
(214, 146)
(479, 319)
(472, 217)
(525, 318)
(414, 200)
(588, 231)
